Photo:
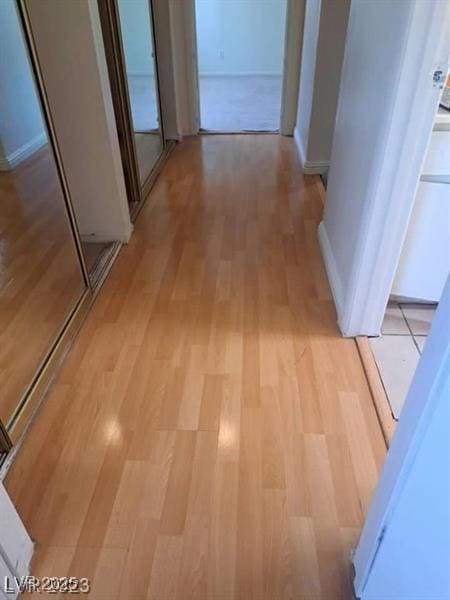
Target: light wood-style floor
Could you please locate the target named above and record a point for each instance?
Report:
(210, 435)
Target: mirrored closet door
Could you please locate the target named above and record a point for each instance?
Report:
(41, 278)
(136, 28)
(129, 37)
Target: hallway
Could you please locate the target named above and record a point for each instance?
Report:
(210, 435)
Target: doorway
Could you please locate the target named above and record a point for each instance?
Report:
(240, 51)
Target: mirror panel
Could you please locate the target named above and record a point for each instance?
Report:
(41, 281)
(136, 29)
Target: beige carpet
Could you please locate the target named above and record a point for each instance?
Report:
(227, 103)
(240, 103)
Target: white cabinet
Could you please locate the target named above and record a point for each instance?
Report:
(425, 258)
(437, 162)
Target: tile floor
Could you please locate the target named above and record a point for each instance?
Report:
(397, 350)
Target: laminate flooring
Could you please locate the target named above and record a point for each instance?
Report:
(210, 435)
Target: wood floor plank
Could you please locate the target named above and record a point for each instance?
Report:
(136, 573)
(348, 505)
(166, 567)
(249, 560)
(106, 580)
(223, 531)
(273, 466)
(210, 435)
(211, 405)
(305, 557)
(193, 578)
(175, 503)
(363, 459)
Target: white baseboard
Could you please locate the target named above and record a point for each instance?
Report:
(242, 74)
(331, 269)
(318, 167)
(309, 167)
(141, 74)
(105, 238)
(216, 74)
(10, 161)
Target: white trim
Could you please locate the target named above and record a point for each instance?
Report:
(293, 40)
(299, 146)
(315, 167)
(309, 167)
(392, 190)
(240, 74)
(104, 238)
(193, 68)
(183, 34)
(10, 161)
(141, 73)
(330, 267)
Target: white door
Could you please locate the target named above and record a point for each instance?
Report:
(403, 551)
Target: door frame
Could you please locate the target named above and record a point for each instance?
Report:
(186, 66)
(293, 46)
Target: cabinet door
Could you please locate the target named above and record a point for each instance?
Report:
(437, 162)
(425, 259)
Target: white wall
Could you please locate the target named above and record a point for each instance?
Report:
(373, 57)
(385, 115)
(69, 44)
(21, 126)
(136, 31)
(412, 502)
(240, 36)
(324, 35)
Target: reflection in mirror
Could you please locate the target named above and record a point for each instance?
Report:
(40, 277)
(138, 46)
